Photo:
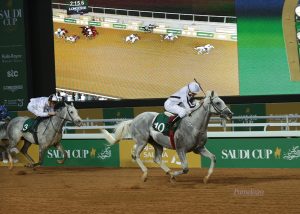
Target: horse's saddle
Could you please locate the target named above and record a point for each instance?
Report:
(28, 124)
(161, 121)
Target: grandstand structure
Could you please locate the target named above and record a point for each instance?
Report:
(193, 25)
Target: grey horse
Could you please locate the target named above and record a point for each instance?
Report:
(191, 135)
(49, 133)
(3, 136)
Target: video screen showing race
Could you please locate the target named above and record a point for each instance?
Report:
(140, 49)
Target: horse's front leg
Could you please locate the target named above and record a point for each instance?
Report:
(24, 151)
(41, 157)
(184, 165)
(60, 148)
(203, 151)
(158, 159)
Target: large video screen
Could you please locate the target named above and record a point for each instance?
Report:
(149, 49)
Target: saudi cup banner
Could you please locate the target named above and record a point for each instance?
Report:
(84, 153)
(255, 153)
(13, 68)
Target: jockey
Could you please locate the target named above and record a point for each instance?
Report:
(170, 35)
(181, 102)
(42, 107)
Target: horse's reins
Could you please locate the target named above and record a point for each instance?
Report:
(219, 111)
(63, 119)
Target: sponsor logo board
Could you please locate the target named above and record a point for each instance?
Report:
(255, 153)
(169, 157)
(84, 153)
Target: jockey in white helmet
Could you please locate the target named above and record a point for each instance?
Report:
(181, 102)
(42, 107)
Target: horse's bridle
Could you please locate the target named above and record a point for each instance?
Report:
(63, 118)
(220, 112)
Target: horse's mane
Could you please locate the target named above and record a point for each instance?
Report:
(59, 105)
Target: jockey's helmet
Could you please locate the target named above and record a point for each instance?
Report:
(53, 98)
(194, 87)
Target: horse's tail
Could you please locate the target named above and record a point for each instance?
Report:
(121, 131)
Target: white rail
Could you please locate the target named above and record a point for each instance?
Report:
(239, 127)
(154, 14)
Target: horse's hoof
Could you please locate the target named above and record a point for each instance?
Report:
(60, 161)
(205, 180)
(28, 165)
(145, 177)
(172, 177)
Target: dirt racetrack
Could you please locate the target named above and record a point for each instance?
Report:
(101, 190)
(149, 68)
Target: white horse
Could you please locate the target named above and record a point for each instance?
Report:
(132, 38)
(49, 133)
(60, 33)
(170, 37)
(204, 49)
(190, 136)
(72, 39)
(200, 49)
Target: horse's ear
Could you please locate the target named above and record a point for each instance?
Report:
(212, 94)
(72, 104)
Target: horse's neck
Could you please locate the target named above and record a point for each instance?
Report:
(201, 118)
(58, 122)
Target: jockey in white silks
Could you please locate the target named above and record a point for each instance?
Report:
(89, 32)
(181, 102)
(42, 107)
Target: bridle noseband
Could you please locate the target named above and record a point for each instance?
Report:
(63, 118)
(220, 112)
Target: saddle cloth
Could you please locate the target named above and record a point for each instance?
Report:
(160, 123)
(28, 124)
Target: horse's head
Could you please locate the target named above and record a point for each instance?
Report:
(69, 113)
(217, 106)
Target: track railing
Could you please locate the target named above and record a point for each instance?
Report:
(238, 127)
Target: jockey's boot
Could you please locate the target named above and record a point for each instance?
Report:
(172, 121)
(36, 124)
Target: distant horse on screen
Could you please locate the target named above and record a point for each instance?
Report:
(60, 33)
(169, 37)
(204, 49)
(132, 38)
(72, 39)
